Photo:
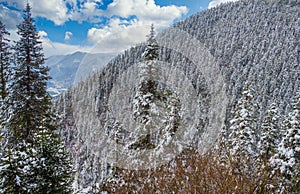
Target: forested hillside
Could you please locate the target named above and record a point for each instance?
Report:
(217, 75)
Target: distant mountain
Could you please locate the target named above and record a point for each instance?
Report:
(206, 59)
(67, 70)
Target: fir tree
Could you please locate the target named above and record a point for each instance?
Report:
(29, 101)
(4, 60)
(270, 137)
(287, 161)
(34, 159)
(17, 164)
(5, 55)
(270, 133)
(242, 138)
(174, 114)
(53, 171)
(145, 106)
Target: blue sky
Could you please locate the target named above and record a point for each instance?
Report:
(102, 26)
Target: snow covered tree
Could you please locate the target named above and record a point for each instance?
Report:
(174, 114)
(34, 159)
(287, 161)
(42, 167)
(145, 106)
(242, 137)
(270, 133)
(4, 60)
(16, 166)
(4, 78)
(29, 101)
(53, 170)
(270, 137)
(221, 148)
(151, 52)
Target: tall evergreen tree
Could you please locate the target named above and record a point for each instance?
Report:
(4, 60)
(270, 137)
(34, 159)
(270, 133)
(174, 114)
(242, 137)
(30, 103)
(145, 106)
(287, 161)
(5, 55)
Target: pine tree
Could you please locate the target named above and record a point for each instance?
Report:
(4, 78)
(242, 138)
(145, 107)
(151, 52)
(287, 161)
(267, 146)
(270, 133)
(4, 60)
(174, 114)
(16, 165)
(53, 171)
(30, 103)
(34, 159)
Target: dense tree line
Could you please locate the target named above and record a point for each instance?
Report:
(33, 158)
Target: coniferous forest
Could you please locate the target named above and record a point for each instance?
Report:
(209, 105)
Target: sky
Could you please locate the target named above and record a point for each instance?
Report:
(98, 26)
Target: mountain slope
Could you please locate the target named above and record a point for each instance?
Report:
(66, 70)
(206, 59)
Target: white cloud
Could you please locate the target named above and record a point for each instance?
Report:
(55, 48)
(145, 10)
(10, 18)
(215, 3)
(85, 10)
(42, 34)
(120, 34)
(68, 36)
(54, 10)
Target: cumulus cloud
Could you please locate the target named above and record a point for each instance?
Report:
(68, 36)
(54, 10)
(215, 3)
(84, 10)
(120, 34)
(145, 10)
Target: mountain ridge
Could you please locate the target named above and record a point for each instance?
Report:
(67, 70)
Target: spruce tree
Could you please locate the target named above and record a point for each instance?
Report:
(5, 55)
(30, 103)
(268, 142)
(34, 159)
(287, 161)
(145, 105)
(53, 170)
(242, 137)
(174, 114)
(4, 60)
(270, 133)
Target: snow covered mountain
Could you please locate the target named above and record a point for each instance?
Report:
(205, 59)
(66, 70)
